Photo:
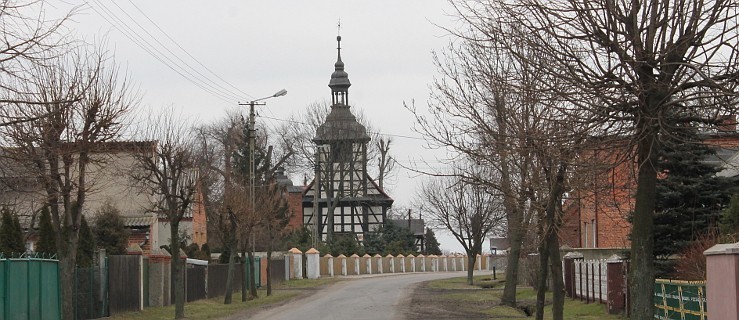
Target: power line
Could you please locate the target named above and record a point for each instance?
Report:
(129, 32)
(378, 133)
(188, 53)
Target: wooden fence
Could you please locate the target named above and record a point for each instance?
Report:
(125, 283)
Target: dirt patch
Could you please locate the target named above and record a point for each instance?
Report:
(430, 303)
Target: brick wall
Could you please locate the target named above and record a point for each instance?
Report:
(596, 214)
(295, 204)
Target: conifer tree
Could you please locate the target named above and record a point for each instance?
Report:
(690, 197)
(86, 246)
(46, 238)
(110, 232)
(11, 234)
(432, 244)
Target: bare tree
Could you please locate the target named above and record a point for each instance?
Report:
(79, 103)
(27, 40)
(297, 134)
(632, 66)
(168, 171)
(468, 211)
(227, 200)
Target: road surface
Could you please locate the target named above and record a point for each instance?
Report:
(375, 297)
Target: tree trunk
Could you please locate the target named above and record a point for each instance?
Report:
(641, 273)
(245, 279)
(541, 279)
(67, 255)
(558, 285)
(230, 276)
(511, 272)
(471, 269)
(179, 281)
(252, 279)
(269, 268)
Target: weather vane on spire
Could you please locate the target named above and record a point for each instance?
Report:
(338, 26)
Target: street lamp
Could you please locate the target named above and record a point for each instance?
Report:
(251, 105)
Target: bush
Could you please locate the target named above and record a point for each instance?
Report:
(110, 232)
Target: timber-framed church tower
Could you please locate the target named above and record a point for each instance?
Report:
(342, 199)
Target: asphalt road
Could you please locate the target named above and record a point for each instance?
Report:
(375, 297)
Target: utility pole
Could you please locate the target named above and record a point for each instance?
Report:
(316, 196)
(252, 166)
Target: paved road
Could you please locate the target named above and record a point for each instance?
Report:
(377, 297)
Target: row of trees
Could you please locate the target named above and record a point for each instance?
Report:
(529, 88)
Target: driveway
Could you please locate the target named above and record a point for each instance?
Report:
(368, 297)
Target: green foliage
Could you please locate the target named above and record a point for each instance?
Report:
(191, 250)
(729, 225)
(346, 244)
(225, 254)
(110, 232)
(432, 244)
(303, 240)
(390, 239)
(690, 197)
(11, 234)
(86, 245)
(46, 236)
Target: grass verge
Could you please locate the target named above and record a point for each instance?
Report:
(487, 292)
(214, 308)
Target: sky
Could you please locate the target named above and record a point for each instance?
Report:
(205, 59)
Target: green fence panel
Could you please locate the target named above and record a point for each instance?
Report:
(683, 300)
(17, 301)
(50, 298)
(258, 271)
(29, 289)
(3, 287)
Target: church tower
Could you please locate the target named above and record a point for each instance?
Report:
(342, 199)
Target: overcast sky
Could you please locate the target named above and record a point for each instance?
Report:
(245, 50)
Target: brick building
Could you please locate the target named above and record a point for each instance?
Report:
(596, 211)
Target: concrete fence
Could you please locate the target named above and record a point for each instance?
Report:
(326, 265)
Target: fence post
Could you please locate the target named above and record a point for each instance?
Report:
(296, 262)
(401, 260)
(288, 263)
(329, 264)
(616, 292)
(313, 269)
(391, 262)
(378, 263)
(342, 262)
(367, 262)
(569, 272)
(412, 258)
(722, 281)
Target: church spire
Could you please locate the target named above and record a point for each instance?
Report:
(339, 83)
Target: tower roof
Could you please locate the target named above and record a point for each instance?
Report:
(340, 123)
(339, 79)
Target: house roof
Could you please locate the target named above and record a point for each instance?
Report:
(418, 226)
(139, 221)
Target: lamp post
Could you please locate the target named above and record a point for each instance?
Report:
(252, 130)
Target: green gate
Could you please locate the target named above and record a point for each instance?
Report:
(29, 288)
(684, 300)
(257, 271)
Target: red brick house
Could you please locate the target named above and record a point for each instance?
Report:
(596, 212)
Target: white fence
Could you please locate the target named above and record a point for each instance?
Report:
(591, 282)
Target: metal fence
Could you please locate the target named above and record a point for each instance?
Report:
(196, 282)
(217, 274)
(91, 292)
(29, 289)
(685, 300)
